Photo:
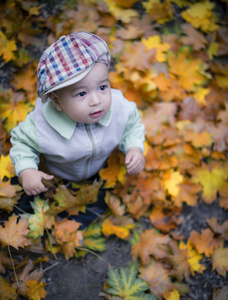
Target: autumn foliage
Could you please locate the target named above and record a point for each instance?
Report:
(170, 58)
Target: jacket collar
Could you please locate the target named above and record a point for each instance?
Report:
(63, 124)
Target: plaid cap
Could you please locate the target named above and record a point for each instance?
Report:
(69, 59)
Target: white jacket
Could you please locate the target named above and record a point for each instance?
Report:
(75, 151)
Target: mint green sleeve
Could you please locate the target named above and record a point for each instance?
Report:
(134, 134)
(25, 150)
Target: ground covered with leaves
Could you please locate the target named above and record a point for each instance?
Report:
(165, 233)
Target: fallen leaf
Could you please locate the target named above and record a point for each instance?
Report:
(114, 204)
(7, 47)
(120, 227)
(36, 290)
(154, 42)
(193, 37)
(193, 258)
(220, 260)
(41, 219)
(124, 284)
(205, 243)
(157, 276)
(213, 179)
(221, 230)
(172, 182)
(151, 243)
(115, 170)
(7, 292)
(200, 15)
(14, 232)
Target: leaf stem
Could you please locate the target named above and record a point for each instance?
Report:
(14, 271)
(81, 248)
(20, 209)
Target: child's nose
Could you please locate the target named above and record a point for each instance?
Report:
(94, 99)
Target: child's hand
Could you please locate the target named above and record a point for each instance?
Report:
(135, 161)
(31, 181)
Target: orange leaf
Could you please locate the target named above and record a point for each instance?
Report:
(220, 260)
(222, 229)
(188, 192)
(114, 204)
(205, 242)
(14, 232)
(115, 170)
(151, 243)
(118, 226)
(157, 276)
(163, 220)
(64, 229)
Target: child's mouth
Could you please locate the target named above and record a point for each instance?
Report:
(96, 114)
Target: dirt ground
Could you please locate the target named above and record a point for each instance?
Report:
(83, 278)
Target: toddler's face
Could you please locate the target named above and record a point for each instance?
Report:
(89, 99)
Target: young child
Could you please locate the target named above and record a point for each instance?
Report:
(78, 119)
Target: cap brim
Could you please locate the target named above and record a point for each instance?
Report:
(69, 81)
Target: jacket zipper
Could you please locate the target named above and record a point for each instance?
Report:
(93, 150)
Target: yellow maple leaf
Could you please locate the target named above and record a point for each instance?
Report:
(171, 184)
(154, 42)
(7, 47)
(201, 94)
(109, 228)
(222, 80)
(12, 111)
(189, 72)
(6, 167)
(193, 258)
(36, 290)
(125, 15)
(6, 290)
(212, 178)
(200, 15)
(213, 49)
(174, 295)
(161, 12)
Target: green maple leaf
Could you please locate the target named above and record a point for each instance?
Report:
(126, 285)
(40, 219)
(92, 240)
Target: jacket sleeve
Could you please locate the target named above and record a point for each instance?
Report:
(25, 150)
(134, 134)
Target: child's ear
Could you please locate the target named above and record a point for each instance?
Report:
(55, 100)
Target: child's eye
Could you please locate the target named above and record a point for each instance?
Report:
(103, 87)
(82, 94)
